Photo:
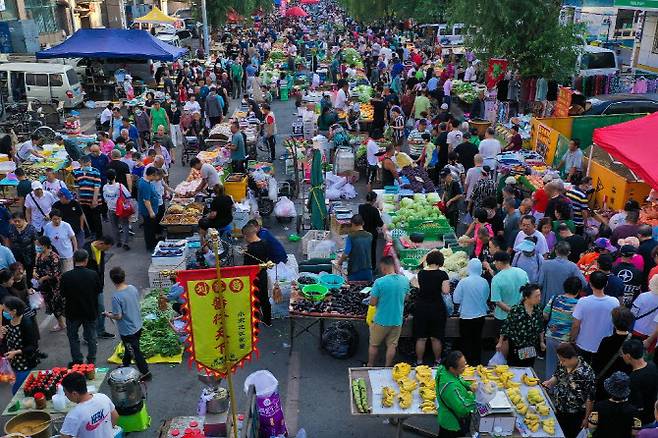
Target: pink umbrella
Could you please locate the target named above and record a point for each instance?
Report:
(296, 12)
(310, 2)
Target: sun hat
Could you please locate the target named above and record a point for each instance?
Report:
(36, 185)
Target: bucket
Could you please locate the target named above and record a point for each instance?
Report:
(480, 125)
(315, 292)
(35, 424)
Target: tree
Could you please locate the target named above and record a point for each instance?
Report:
(216, 9)
(423, 11)
(527, 33)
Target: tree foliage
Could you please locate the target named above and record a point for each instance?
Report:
(527, 33)
(423, 11)
(217, 9)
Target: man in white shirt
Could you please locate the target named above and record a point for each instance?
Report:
(52, 184)
(192, 106)
(470, 74)
(372, 148)
(490, 148)
(38, 204)
(341, 97)
(209, 176)
(28, 148)
(447, 91)
(455, 136)
(529, 229)
(387, 52)
(106, 115)
(62, 237)
(592, 317)
(94, 415)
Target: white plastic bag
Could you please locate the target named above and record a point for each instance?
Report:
(584, 433)
(285, 208)
(333, 194)
(273, 190)
(270, 409)
(35, 300)
(497, 359)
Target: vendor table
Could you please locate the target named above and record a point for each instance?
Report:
(19, 396)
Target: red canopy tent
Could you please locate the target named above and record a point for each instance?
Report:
(310, 2)
(634, 144)
(296, 12)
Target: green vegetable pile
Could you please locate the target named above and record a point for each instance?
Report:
(420, 207)
(351, 56)
(464, 90)
(157, 335)
(364, 92)
(277, 55)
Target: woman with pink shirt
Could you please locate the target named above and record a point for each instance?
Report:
(637, 260)
(480, 220)
(105, 142)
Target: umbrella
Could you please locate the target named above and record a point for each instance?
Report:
(310, 2)
(296, 12)
(318, 207)
(156, 16)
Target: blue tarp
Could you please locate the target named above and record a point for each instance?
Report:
(113, 43)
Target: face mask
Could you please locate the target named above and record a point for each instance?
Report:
(138, 112)
(38, 249)
(6, 315)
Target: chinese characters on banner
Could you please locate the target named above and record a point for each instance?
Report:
(496, 71)
(563, 102)
(216, 347)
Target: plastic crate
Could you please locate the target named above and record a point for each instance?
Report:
(416, 253)
(431, 230)
(157, 280)
(318, 235)
(236, 189)
(413, 223)
(397, 233)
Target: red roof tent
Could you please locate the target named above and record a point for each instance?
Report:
(635, 144)
(296, 12)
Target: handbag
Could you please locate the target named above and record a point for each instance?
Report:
(124, 207)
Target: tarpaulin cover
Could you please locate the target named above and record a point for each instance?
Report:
(113, 43)
(634, 144)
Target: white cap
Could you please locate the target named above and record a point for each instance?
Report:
(444, 106)
(510, 180)
(36, 185)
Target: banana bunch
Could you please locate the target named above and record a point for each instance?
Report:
(424, 376)
(501, 369)
(549, 426)
(404, 399)
(535, 397)
(427, 394)
(542, 409)
(428, 407)
(406, 384)
(468, 372)
(532, 421)
(400, 370)
(506, 380)
(529, 381)
(388, 396)
(516, 398)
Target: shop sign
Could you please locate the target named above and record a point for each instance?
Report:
(543, 139)
(563, 102)
(636, 4)
(219, 344)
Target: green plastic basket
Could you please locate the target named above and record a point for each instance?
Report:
(414, 223)
(415, 253)
(410, 262)
(315, 292)
(397, 233)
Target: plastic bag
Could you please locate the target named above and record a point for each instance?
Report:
(273, 190)
(270, 411)
(584, 433)
(285, 208)
(486, 392)
(35, 300)
(6, 373)
(340, 340)
(450, 306)
(497, 359)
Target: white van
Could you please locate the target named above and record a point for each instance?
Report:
(594, 60)
(169, 39)
(45, 82)
(446, 34)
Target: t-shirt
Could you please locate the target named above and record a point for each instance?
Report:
(146, 192)
(489, 148)
(646, 305)
(632, 279)
(506, 288)
(276, 251)
(39, 207)
(61, 238)
(87, 180)
(24, 187)
(578, 247)
(615, 419)
(53, 187)
(209, 174)
(371, 149)
(238, 140)
(25, 149)
(516, 142)
(594, 314)
(472, 177)
(390, 290)
(455, 138)
(573, 159)
(578, 205)
(121, 170)
(466, 152)
(71, 213)
(111, 194)
(341, 100)
(452, 190)
(223, 206)
(125, 302)
(511, 227)
(90, 419)
(558, 312)
(541, 246)
(644, 386)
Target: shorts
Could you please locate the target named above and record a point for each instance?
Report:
(388, 334)
(372, 174)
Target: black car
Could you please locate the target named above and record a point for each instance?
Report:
(621, 104)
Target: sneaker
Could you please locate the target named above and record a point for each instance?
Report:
(106, 335)
(131, 232)
(126, 247)
(146, 377)
(119, 245)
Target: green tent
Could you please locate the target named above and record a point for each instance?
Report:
(318, 207)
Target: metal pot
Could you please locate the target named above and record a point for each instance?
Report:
(219, 403)
(41, 418)
(126, 389)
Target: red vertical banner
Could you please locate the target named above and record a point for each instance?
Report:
(496, 71)
(563, 102)
(217, 343)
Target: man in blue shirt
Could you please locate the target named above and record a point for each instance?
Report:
(397, 67)
(133, 133)
(147, 205)
(99, 161)
(238, 150)
(6, 257)
(277, 251)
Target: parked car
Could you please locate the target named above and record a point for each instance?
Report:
(622, 104)
(193, 26)
(183, 13)
(44, 82)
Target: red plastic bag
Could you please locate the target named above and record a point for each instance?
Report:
(6, 373)
(124, 206)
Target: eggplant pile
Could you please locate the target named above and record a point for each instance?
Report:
(419, 180)
(346, 301)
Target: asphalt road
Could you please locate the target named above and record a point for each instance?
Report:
(314, 386)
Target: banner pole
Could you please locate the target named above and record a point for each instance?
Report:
(214, 235)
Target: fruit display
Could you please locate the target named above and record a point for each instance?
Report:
(46, 381)
(360, 394)
(421, 207)
(388, 396)
(367, 112)
(529, 381)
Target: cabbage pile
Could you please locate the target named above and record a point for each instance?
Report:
(464, 90)
(364, 92)
(420, 207)
(455, 263)
(277, 55)
(351, 56)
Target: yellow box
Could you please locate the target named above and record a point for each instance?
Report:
(236, 189)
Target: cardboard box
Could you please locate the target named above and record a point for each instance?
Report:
(340, 227)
